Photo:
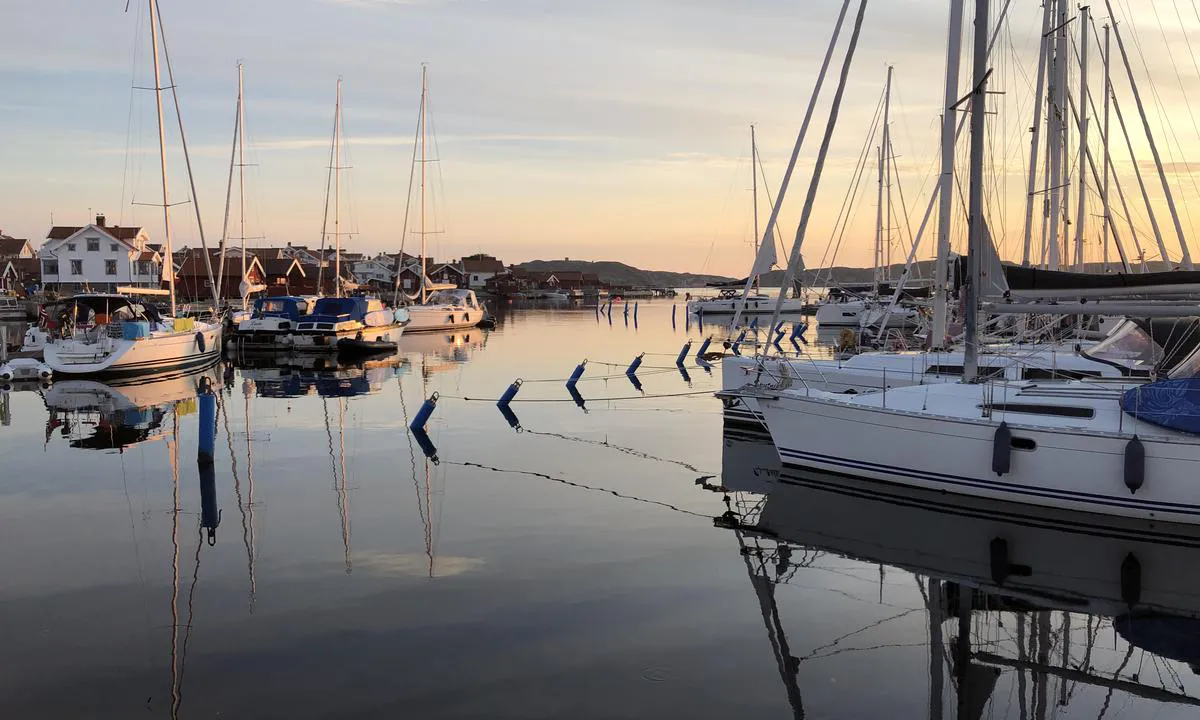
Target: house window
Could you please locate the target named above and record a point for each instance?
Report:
(113, 247)
(407, 283)
(49, 267)
(76, 267)
(145, 267)
(93, 244)
(70, 247)
(110, 267)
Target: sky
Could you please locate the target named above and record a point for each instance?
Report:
(597, 131)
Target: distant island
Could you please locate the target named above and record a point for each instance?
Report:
(616, 274)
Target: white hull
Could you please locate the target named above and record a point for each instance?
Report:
(326, 340)
(161, 351)
(935, 437)
(860, 313)
(426, 318)
(754, 306)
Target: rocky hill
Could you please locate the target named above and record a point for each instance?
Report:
(622, 275)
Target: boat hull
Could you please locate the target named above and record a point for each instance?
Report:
(111, 357)
(753, 306)
(1074, 468)
(326, 341)
(431, 318)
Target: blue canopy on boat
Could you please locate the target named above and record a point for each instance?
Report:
(1169, 636)
(338, 309)
(1173, 403)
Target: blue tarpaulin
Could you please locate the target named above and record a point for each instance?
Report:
(1172, 404)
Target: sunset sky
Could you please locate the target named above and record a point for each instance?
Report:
(599, 131)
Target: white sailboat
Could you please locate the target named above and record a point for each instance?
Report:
(339, 320)
(751, 301)
(1122, 448)
(438, 307)
(112, 335)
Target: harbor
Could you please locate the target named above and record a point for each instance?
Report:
(918, 438)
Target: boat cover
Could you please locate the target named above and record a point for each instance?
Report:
(1169, 636)
(1172, 403)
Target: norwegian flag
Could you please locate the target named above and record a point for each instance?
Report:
(42, 317)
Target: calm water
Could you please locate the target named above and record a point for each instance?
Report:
(581, 566)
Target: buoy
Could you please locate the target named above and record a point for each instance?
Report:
(1002, 450)
(635, 307)
(686, 378)
(633, 366)
(577, 374)
(422, 416)
(703, 348)
(683, 353)
(674, 308)
(637, 384)
(1135, 464)
(208, 428)
(798, 329)
(509, 394)
(754, 323)
(1131, 580)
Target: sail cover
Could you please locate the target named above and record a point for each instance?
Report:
(1173, 404)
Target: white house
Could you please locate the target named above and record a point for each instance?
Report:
(98, 257)
(480, 268)
(379, 270)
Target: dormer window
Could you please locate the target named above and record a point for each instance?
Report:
(93, 244)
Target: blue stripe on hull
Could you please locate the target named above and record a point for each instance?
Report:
(801, 458)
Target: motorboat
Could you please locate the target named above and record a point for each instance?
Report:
(272, 322)
(728, 301)
(360, 318)
(446, 310)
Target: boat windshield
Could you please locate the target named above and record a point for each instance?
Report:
(278, 306)
(450, 297)
(338, 306)
(1130, 346)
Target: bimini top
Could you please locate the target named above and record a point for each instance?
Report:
(284, 306)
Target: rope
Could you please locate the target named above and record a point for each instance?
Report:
(600, 399)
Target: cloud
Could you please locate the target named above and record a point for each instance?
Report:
(415, 564)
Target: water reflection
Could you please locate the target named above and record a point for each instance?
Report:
(1019, 601)
(115, 415)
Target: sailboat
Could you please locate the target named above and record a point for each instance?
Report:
(750, 301)
(438, 307)
(112, 335)
(844, 307)
(269, 324)
(1126, 447)
(357, 320)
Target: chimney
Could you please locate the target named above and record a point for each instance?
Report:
(100, 219)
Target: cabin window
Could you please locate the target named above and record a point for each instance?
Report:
(93, 244)
(1042, 409)
(110, 267)
(76, 267)
(1020, 443)
(984, 370)
(49, 267)
(1057, 374)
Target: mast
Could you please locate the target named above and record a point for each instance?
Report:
(1057, 130)
(1137, 98)
(219, 286)
(424, 135)
(1107, 163)
(1036, 130)
(975, 193)
(337, 192)
(884, 197)
(242, 178)
(1080, 215)
(941, 304)
(754, 191)
(162, 153)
